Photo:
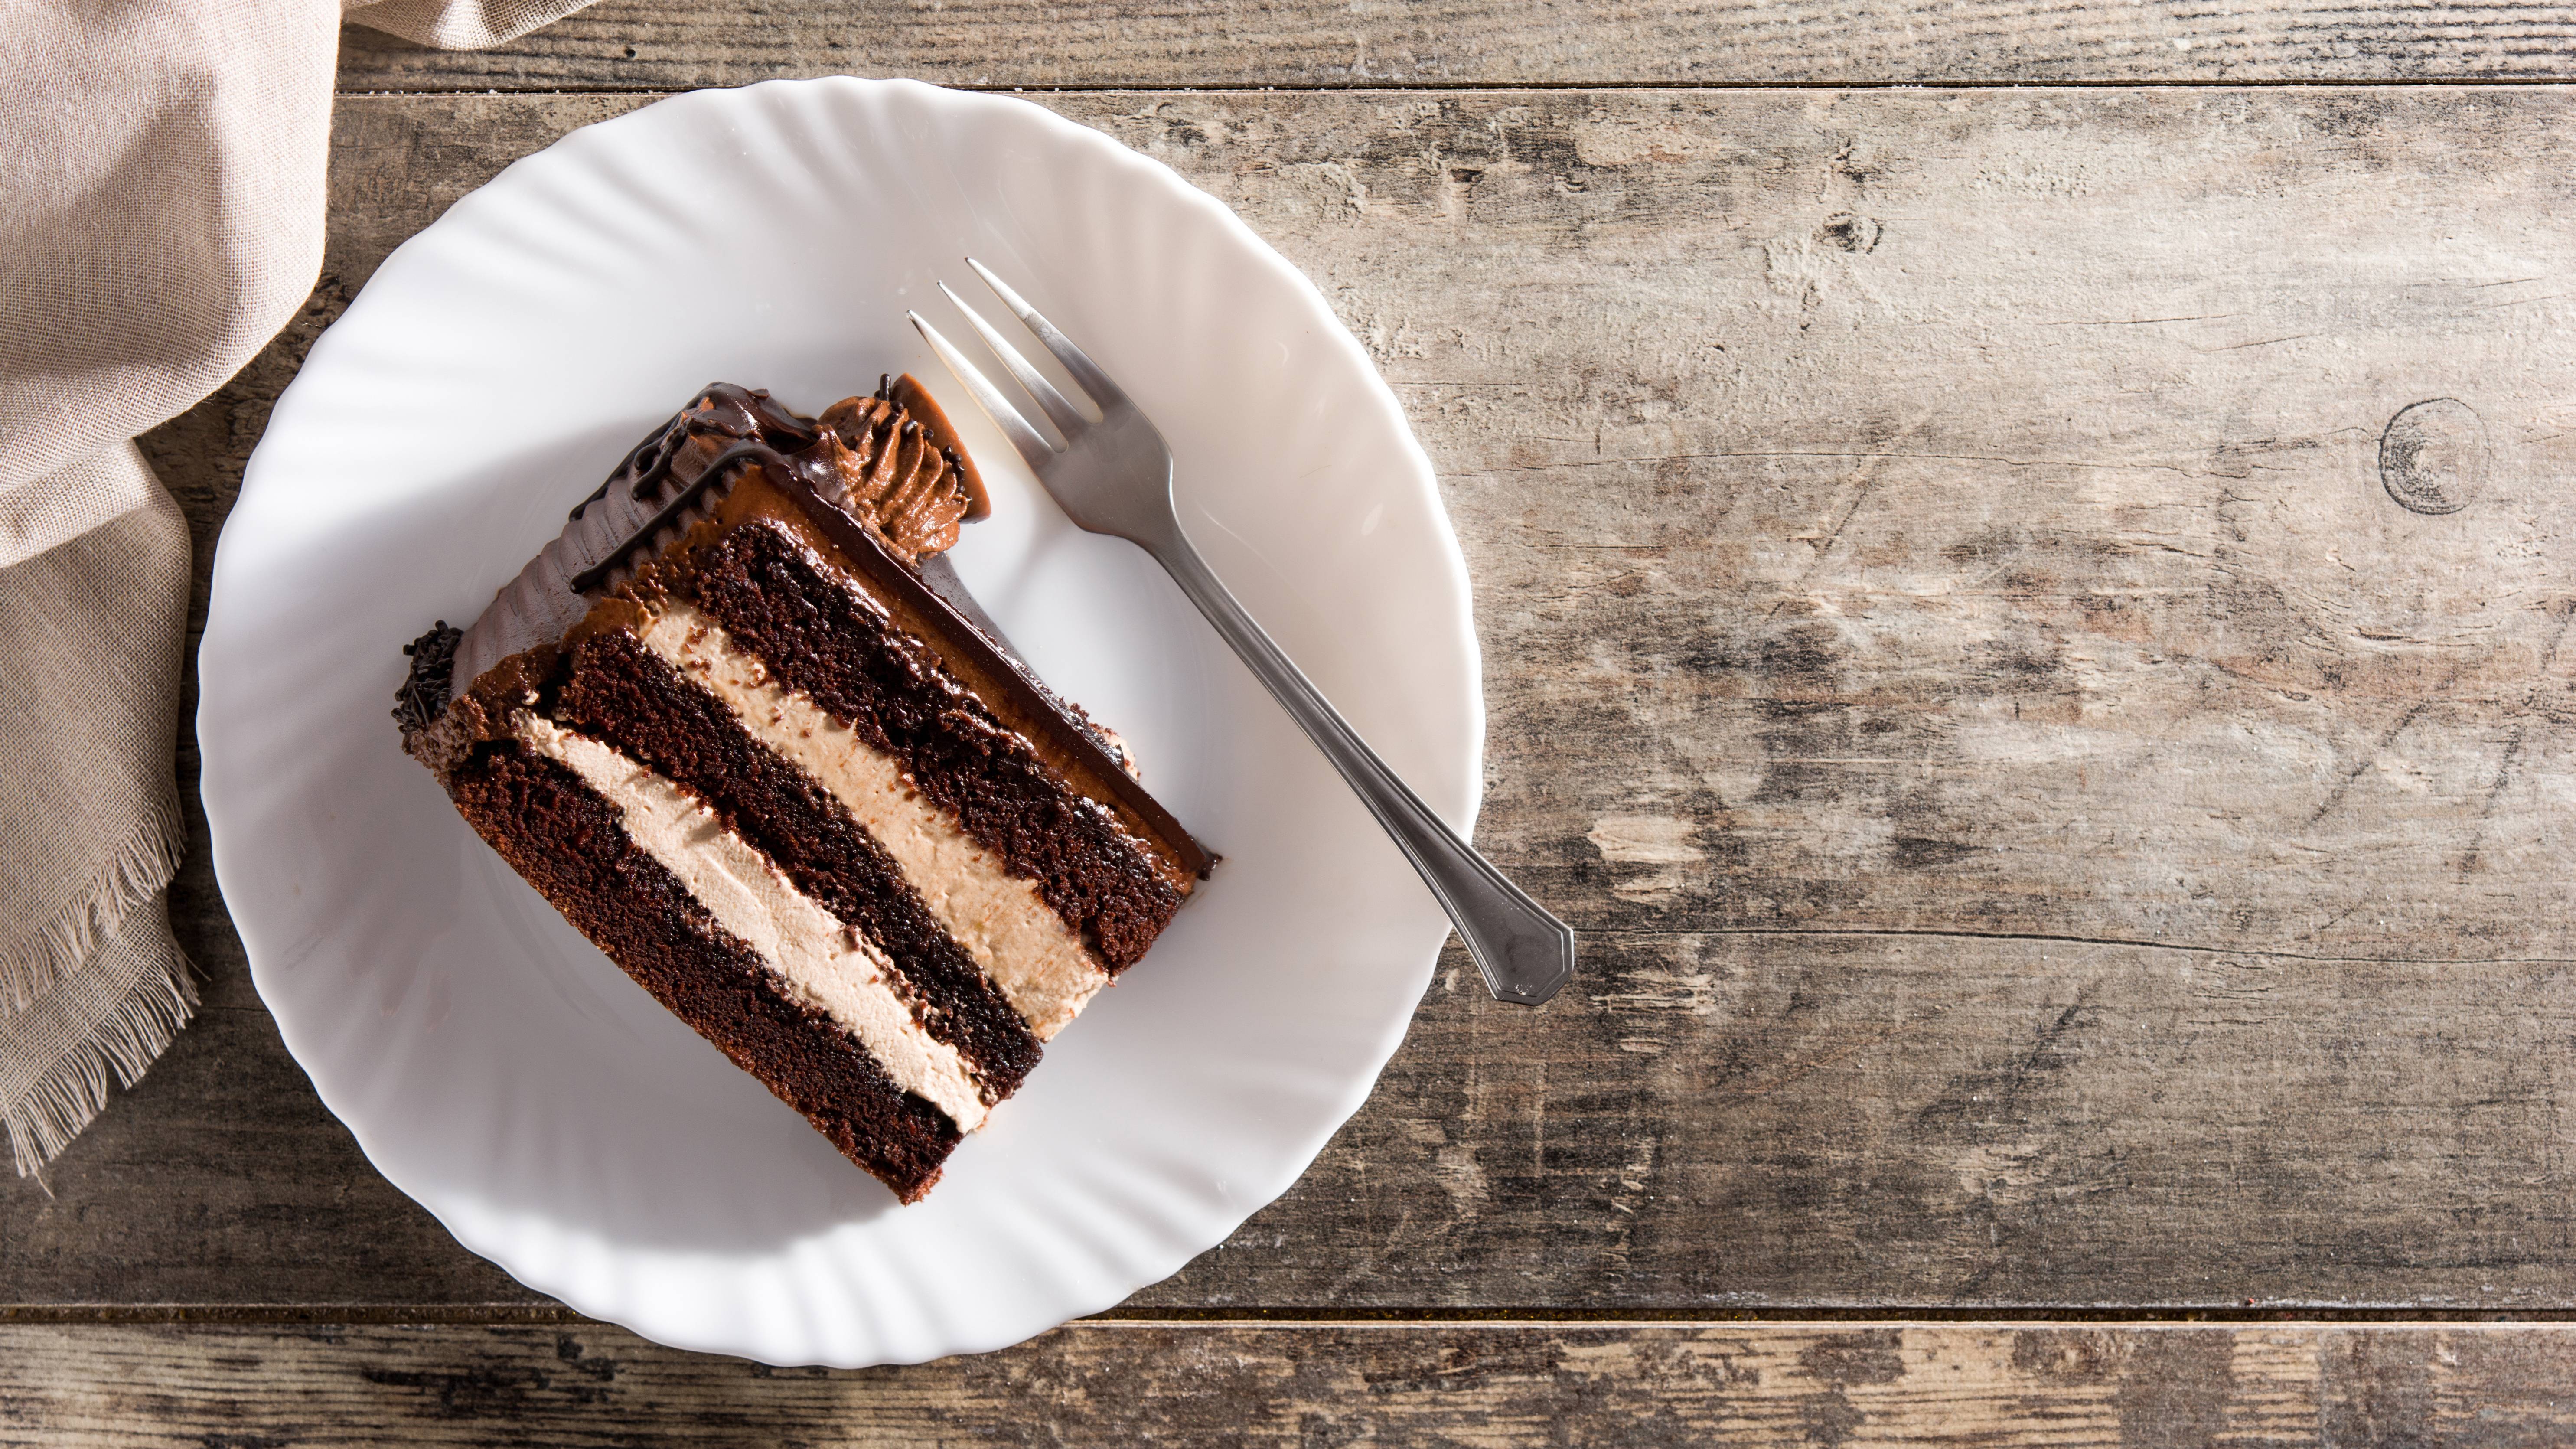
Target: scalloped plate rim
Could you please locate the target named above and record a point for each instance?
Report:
(568, 150)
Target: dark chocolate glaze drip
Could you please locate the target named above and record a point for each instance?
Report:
(721, 408)
(807, 470)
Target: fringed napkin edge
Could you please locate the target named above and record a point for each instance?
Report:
(100, 989)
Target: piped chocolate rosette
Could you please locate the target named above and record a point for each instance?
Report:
(742, 725)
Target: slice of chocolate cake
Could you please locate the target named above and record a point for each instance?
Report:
(741, 724)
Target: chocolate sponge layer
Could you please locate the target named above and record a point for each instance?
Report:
(567, 842)
(824, 638)
(623, 693)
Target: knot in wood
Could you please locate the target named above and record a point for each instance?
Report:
(2433, 456)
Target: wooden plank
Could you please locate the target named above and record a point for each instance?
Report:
(2050, 826)
(134, 1387)
(675, 44)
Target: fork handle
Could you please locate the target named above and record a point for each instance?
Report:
(1525, 953)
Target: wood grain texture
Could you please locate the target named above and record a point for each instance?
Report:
(2049, 826)
(140, 1388)
(645, 44)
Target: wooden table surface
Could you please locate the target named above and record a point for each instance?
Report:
(2023, 557)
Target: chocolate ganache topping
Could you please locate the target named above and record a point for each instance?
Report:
(890, 461)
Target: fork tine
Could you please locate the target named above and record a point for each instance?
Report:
(1032, 444)
(1066, 418)
(1085, 372)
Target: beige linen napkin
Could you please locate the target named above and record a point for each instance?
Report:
(161, 192)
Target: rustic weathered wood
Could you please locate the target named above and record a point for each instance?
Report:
(140, 1387)
(2051, 826)
(648, 44)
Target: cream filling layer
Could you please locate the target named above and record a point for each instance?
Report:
(822, 962)
(1026, 949)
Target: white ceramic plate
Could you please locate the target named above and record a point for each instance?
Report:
(501, 1071)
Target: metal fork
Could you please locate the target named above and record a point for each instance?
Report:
(1113, 475)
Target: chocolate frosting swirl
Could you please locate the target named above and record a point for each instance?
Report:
(888, 470)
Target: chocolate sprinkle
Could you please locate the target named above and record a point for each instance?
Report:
(425, 689)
